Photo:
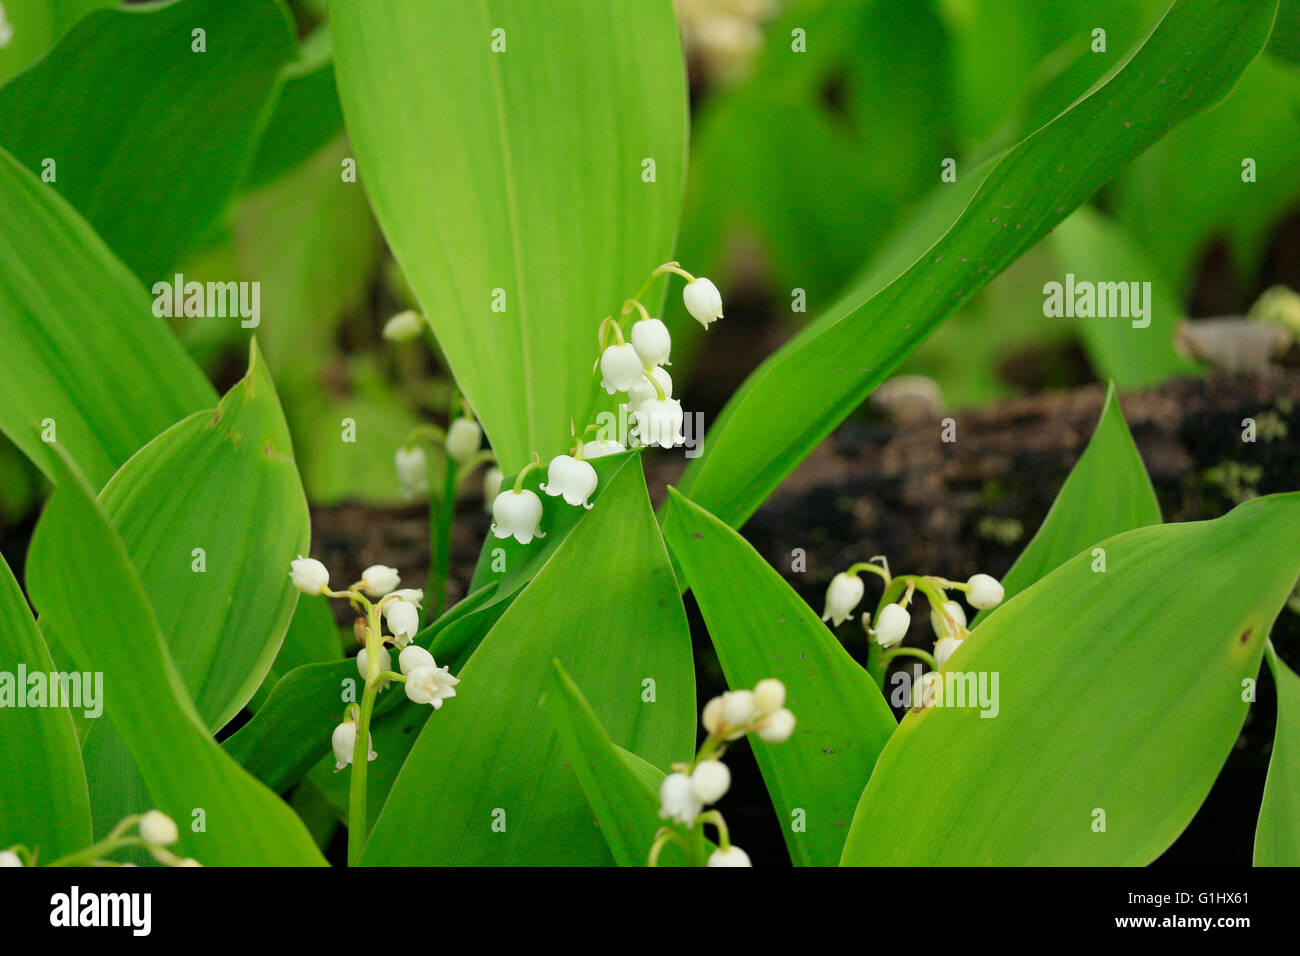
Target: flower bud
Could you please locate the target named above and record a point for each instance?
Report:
(378, 579)
(464, 438)
(710, 780)
(769, 695)
(643, 391)
(308, 575)
(984, 591)
(677, 799)
(404, 326)
(652, 342)
(414, 656)
(842, 596)
(777, 727)
(403, 619)
(517, 513)
(158, 829)
(712, 717)
(943, 649)
(363, 662)
(620, 368)
(10, 858)
(939, 620)
(571, 477)
(492, 478)
(703, 301)
(731, 856)
(738, 708)
(891, 626)
(412, 469)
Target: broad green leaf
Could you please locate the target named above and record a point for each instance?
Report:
(307, 114)
(606, 605)
(761, 628)
(1277, 834)
(1111, 701)
(515, 179)
(800, 394)
(83, 350)
(627, 811)
(126, 89)
(1106, 492)
(312, 638)
(44, 803)
(35, 26)
(212, 513)
(82, 581)
(1190, 191)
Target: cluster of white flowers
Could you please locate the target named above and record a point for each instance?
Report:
(154, 830)
(422, 679)
(893, 620)
(690, 788)
(631, 364)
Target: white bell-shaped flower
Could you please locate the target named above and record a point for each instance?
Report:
(378, 579)
(984, 591)
(571, 477)
(710, 780)
(430, 685)
(413, 595)
(464, 439)
(620, 368)
(414, 656)
(652, 342)
(677, 800)
(158, 829)
(842, 596)
(644, 391)
(309, 576)
(601, 448)
(731, 856)
(776, 727)
(659, 422)
(713, 717)
(343, 740)
(703, 301)
(517, 513)
(928, 691)
(950, 622)
(412, 470)
(738, 708)
(943, 649)
(9, 857)
(891, 627)
(403, 619)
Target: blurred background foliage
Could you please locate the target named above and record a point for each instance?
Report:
(820, 130)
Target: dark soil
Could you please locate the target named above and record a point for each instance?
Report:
(952, 509)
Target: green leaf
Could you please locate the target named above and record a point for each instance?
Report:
(607, 606)
(125, 89)
(242, 505)
(83, 349)
(800, 394)
(626, 810)
(312, 638)
(307, 114)
(37, 25)
(44, 803)
(1106, 492)
(82, 581)
(1277, 834)
(1117, 693)
(761, 628)
(503, 171)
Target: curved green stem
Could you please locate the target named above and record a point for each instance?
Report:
(441, 513)
(523, 472)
